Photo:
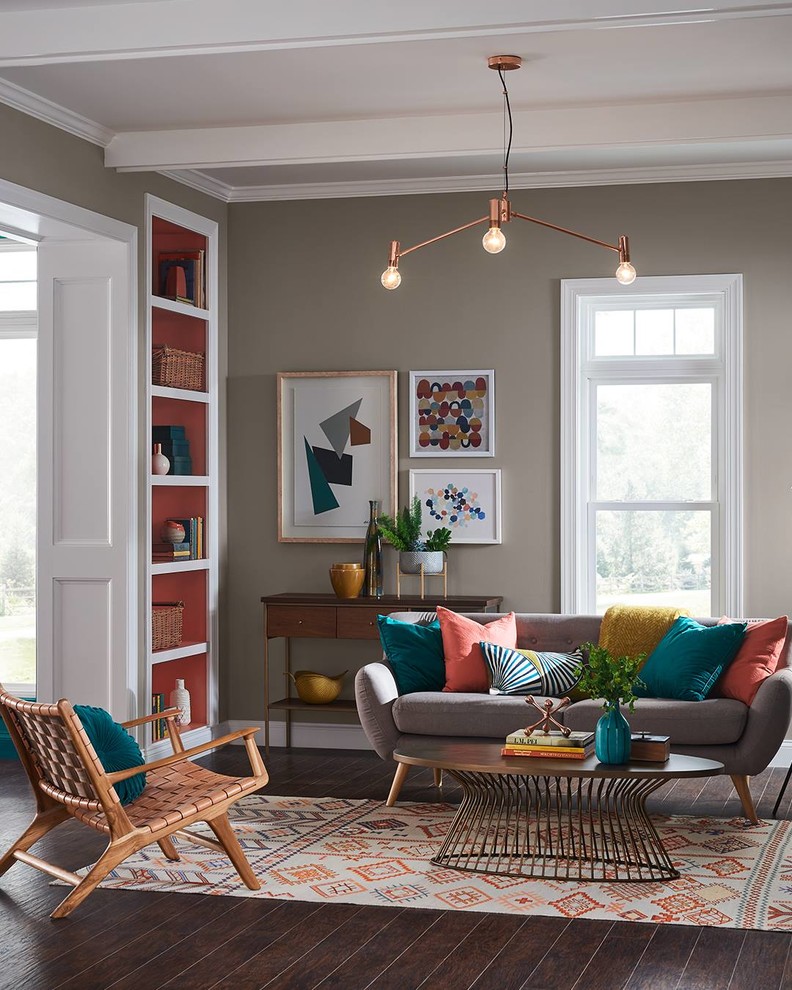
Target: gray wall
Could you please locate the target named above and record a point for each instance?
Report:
(304, 295)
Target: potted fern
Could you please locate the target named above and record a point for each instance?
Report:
(403, 532)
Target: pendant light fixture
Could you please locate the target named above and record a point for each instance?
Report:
(500, 210)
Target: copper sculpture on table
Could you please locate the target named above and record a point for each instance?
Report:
(548, 709)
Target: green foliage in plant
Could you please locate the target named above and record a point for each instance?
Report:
(403, 531)
(610, 679)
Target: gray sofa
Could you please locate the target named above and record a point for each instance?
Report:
(744, 739)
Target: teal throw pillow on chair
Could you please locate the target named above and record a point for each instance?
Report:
(415, 654)
(116, 749)
(689, 659)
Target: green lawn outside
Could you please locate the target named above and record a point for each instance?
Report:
(18, 649)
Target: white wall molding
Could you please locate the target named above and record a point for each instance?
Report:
(311, 735)
(54, 113)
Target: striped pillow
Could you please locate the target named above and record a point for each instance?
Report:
(527, 672)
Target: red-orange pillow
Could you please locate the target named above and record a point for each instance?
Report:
(465, 668)
(756, 660)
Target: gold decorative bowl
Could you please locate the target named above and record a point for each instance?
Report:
(347, 580)
(317, 689)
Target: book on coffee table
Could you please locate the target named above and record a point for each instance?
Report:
(575, 740)
(551, 753)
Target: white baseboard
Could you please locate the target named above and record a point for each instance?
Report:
(162, 747)
(310, 735)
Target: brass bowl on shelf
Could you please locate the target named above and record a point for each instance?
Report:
(347, 579)
(317, 689)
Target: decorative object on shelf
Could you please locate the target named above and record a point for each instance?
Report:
(612, 680)
(180, 698)
(548, 710)
(159, 462)
(175, 368)
(500, 210)
(317, 689)
(175, 446)
(452, 413)
(467, 502)
(181, 276)
(347, 579)
(166, 624)
(417, 555)
(372, 553)
(173, 531)
(330, 422)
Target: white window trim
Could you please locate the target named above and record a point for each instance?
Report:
(728, 582)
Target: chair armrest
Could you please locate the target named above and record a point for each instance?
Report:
(186, 754)
(168, 713)
(768, 722)
(375, 692)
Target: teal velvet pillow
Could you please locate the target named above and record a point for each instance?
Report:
(689, 659)
(116, 749)
(415, 654)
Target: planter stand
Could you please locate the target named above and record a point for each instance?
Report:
(442, 574)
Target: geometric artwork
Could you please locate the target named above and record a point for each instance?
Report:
(352, 851)
(336, 451)
(468, 502)
(452, 413)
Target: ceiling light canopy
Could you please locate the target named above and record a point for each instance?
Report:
(500, 210)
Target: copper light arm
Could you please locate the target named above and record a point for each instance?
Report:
(622, 248)
(440, 237)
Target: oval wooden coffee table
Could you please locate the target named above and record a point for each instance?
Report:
(559, 819)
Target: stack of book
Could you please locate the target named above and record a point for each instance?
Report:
(181, 276)
(175, 446)
(549, 746)
(161, 553)
(159, 728)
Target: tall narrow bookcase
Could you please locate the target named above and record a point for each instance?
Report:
(182, 316)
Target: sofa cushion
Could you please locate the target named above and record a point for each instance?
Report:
(713, 722)
(689, 659)
(531, 672)
(756, 659)
(414, 653)
(465, 669)
(429, 713)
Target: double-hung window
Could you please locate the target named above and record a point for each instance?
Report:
(651, 458)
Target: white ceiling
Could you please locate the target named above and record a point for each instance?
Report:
(355, 98)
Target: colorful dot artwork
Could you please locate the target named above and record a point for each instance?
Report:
(451, 414)
(453, 507)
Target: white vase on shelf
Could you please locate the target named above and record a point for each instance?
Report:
(180, 698)
(159, 462)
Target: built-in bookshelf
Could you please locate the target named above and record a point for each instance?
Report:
(182, 413)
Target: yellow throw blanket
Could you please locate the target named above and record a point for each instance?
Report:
(628, 630)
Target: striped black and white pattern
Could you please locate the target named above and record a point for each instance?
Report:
(527, 672)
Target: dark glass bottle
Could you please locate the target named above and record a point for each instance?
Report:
(372, 554)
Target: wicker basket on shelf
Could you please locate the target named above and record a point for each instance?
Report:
(166, 624)
(177, 369)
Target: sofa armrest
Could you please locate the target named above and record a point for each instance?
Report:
(375, 692)
(768, 722)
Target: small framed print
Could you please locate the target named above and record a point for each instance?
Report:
(466, 502)
(452, 413)
(336, 452)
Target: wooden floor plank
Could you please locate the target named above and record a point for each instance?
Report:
(664, 959)
(522, 954)
(713, 960)
(572, 952)
(765, 953)
(614, 961)
(475, 953)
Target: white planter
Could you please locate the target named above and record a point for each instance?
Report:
(410, 561)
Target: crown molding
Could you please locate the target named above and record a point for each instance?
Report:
(482, 183)
(53, 113)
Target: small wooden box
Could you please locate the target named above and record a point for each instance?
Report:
(646, 748)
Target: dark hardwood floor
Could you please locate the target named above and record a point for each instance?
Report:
(142, 941)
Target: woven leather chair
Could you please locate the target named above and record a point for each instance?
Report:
(69, 782)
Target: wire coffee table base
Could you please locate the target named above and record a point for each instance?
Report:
(563, 828)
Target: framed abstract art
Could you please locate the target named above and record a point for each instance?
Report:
(336, 452)
(452, 413)
(466, 502)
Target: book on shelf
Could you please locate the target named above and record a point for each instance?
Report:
(158, 728)
(551, 753)
(169, 434)
(192, 264)
(546, 740)
(194, 530)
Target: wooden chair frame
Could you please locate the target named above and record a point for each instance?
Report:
(68, 781)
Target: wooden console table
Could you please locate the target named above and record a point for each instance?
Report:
(300, 616)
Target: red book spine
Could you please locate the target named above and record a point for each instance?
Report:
(556, 753)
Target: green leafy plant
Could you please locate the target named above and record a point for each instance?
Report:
(403, 531)
(611, 679)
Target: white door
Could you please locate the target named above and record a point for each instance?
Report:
(86, 471)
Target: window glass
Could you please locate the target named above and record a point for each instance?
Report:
(613, 333)
(17, 280)
(654, 331)
(695, 331)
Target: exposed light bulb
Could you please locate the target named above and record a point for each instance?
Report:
(494, 240)
(391, 277)
(625, 273)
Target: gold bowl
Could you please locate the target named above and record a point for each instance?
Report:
(347, 582)
(317, 689)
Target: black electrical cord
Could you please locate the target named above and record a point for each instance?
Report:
(511, 129)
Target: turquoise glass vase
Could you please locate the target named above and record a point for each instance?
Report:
(612, 737)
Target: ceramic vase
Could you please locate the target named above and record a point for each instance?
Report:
(372, 554)
(159, 462)
(612, 737)
(180, 698)
(410, 561)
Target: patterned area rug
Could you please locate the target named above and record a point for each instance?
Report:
(360, 852)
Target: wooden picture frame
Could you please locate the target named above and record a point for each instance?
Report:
(337, 450)
(452, 413)
(466, 501)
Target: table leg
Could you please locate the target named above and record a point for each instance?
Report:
(266, 687)
(287, 671)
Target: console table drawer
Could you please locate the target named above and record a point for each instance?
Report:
(303, 621)
(359, 623)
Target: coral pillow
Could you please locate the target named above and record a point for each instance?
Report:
(755, 661)
(465, 669)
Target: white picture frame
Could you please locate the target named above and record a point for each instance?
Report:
(463, 405)
(441, 490)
